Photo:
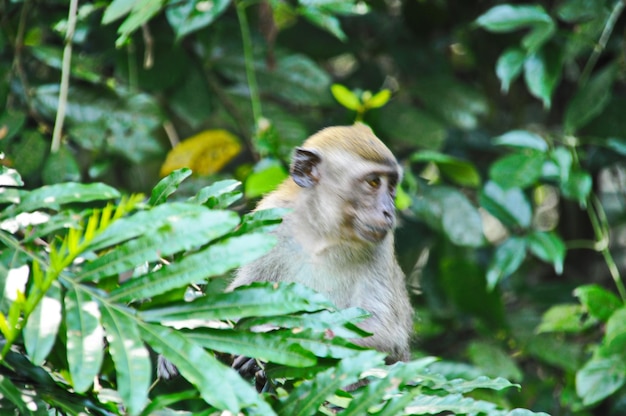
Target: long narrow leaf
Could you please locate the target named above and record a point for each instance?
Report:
(132, 361)
(141, 223)
(42, 327)
(213, 261)
(271, 346)
(308, 396)
(218, 384)
(53, 196)
(183, 231)
(257, 299)
(14, 395)
(85, 338)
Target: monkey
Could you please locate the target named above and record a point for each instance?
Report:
(337, 237)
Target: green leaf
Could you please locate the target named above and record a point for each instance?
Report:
(578, 186)
(447, 209)
(600, 378)
(460, 171)
(509, 67)
(133, 367)
(379, 99)
(342, 322)
(10, 177)
(324, 21)
(255, 300)
(345, 97)
(397, 375)
(506, 260)
(218, 195)
(549, 247)
(188, 17)
(218, 384)
(117, 9)
(61, 167)
(517, 170)
(168, 185)
(142, 12)
(616, 329)
(599, 302)
(261, 220)
(42, 326)
(494, 361)
(565, 318)
(510, 206)
(264, 179)
(308, 396)
(187, 230)
(507, 18)
(522, 139)
(542, 73)
(14, 395)
(85, 338)
(455, 403)
(140, 223)
(217, 259)
(589, 100)
(53, 196)
(274, 346)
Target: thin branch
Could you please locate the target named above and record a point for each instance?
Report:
(65, 77)
(604, 38)
(148, 40)
(249, 61)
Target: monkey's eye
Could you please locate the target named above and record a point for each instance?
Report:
(373, 181)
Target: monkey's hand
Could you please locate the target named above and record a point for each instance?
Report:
(248, 368)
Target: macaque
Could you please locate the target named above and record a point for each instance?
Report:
(338, 237)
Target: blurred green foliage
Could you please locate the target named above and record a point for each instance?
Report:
(507, 117)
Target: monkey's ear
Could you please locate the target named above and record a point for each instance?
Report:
(304, 170)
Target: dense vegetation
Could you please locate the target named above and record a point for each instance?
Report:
(508, 120)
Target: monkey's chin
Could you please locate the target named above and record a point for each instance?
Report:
(372, 234)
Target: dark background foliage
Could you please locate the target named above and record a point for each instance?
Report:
(508, 118)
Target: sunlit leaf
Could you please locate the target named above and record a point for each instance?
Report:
(522, 139)
(255, 300)
(266, 177)
(542, 73)
(195, 268)
(41, 330)
(218, 384)
(345, 97)
(459, 171)
(600, 378)
(219, 195)
(565, 318)
(379, 99)
(85, 338)
(133, 367)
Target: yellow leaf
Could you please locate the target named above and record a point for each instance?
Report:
(205, 153)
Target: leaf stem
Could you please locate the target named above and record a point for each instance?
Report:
(249, 60)
(600, 226)
(65, 77)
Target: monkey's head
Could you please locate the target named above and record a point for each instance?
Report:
(349, 179)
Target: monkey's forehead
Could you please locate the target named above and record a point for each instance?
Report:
(357, 140)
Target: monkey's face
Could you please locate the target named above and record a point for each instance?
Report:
(370, 211)
(352, 199)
